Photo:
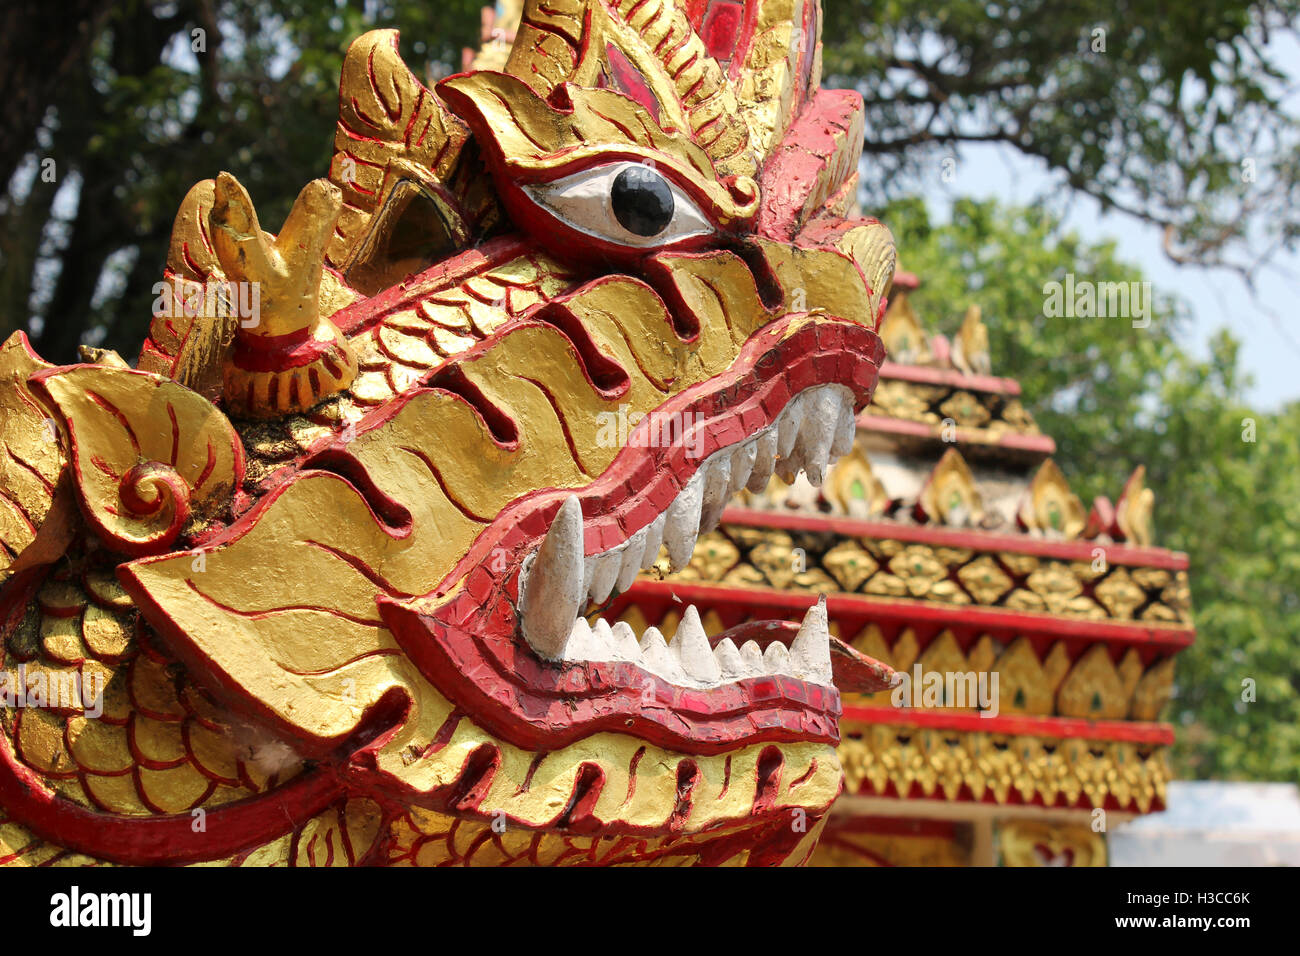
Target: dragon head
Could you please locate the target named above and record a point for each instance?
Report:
(535, 329)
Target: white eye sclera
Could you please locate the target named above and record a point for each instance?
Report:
(629, 204)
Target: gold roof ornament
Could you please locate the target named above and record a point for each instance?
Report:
(950, 496)
(1153, 691)
(853, 489)
(1093, 689)
(1134, 510)
(1049, 507)
(906, 342)
(970, 347)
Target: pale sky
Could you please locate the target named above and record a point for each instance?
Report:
(1267, 326)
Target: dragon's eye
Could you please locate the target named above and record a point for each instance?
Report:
(628, 204)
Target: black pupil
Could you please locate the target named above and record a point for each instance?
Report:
(643, 203)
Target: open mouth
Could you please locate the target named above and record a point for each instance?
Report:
(558, 580)
(512, 638)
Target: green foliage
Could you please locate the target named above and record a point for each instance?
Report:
(1114, 396)
(149, 115)
(1178, 113)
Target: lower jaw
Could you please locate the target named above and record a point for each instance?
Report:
(436, 839)
(468, 644)
(606, 785)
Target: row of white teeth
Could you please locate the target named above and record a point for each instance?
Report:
(556, 582)
(689, 661)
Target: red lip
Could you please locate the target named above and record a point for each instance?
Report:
(469, 646)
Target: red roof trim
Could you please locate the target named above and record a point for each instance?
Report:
(1079, 550)
(1065, 728)
(943, 376)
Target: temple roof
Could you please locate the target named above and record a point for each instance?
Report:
(946, 443)
(949, 540)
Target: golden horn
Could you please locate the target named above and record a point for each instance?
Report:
(287, 357)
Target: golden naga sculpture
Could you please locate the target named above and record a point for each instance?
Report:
(319, 581)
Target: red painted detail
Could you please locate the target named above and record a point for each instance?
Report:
(855, 611)
(542, 706)
(1035, 445)
(627, 79)
(1065, 728)
(159, 840)
(439, 277)
(943, 376)
(792, 175)
(721, 29)
(270, 353)
(1127, 555)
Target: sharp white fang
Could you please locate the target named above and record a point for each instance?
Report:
(716, 491)
(787, 427)
(846, 430)
(586, 643)
(602, 639)
(631, 560)
(742, 465)
(623, 642)
(604, 572)
(693, 649)
(818, 433)
(730, 663)
(553, 592)
(656, 656)
(683, 522)
(788, 469)
(810, 652)
(776, 659)
(764, 462)
(654, 540)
